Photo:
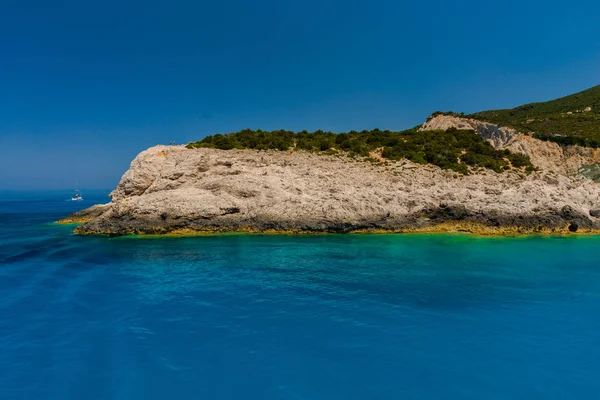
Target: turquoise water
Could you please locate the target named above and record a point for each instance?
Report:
(266, 317)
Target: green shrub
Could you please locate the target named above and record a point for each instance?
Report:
(457, 150)
(519, 160)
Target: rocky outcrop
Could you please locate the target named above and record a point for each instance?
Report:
(171, 189)
(591, 171)
(547, 156)
(496, 135)
(86, 215)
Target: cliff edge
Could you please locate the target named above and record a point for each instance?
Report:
(176, 190)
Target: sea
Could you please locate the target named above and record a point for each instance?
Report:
(291, 317)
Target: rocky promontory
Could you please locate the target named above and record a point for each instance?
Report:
(178, 190)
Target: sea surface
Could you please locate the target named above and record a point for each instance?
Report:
(287, 317)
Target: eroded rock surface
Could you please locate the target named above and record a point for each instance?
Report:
(548, 156)
(496, 135)
(170, 189)
(86, 214)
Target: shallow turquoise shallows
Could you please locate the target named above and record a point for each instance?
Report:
(310, 317)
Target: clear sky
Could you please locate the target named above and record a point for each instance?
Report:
(85, 86)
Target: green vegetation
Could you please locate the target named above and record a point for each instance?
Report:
(457, 150)
(591, 171)
(563, 120)
(568, 140)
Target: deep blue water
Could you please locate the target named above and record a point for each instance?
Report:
(267, 317)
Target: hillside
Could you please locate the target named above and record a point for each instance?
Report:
(450, 174)
(573, 119)
(459, 150)
(569, 120)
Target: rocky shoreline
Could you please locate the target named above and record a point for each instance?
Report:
(442, 220)
(174, 190)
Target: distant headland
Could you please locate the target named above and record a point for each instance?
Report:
(534, 169)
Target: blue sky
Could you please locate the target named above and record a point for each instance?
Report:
(85, 86)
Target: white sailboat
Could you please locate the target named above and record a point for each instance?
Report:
(77, 196)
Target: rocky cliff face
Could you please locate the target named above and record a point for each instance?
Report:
(171, 189)
(496, 135)
(548, 156)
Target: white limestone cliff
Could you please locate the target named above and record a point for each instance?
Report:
(170, 189)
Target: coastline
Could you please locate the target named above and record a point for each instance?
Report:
(456, 227)
(175, 191)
